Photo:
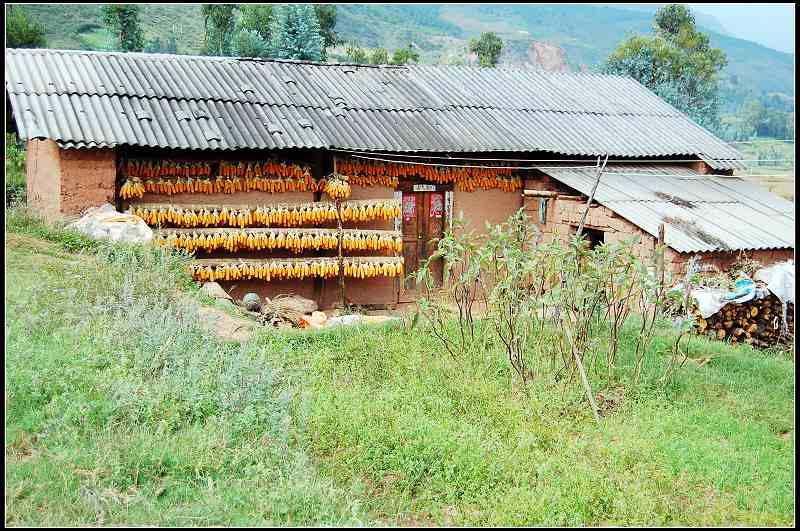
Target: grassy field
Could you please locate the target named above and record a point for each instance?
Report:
(120, 409)
(778, 176)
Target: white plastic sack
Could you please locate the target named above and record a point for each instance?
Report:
(105, 223)
(344, 320)
(709, 300)
(779, 279)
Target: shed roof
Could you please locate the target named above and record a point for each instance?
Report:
(701, 213)
(85, 99)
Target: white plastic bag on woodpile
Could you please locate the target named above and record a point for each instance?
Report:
(779, 279)
(105, 223)
(709, 300)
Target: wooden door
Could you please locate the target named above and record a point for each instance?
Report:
(423, 224)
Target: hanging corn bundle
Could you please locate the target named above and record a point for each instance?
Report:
(149, 169)
(268, 215)
(132, 188)
(365, 173)
(295, 240)
(337, 187)
(169, 178)
(281, 269)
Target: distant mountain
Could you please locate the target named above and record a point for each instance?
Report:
(586, 33)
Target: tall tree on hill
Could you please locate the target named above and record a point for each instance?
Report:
(488, 48)
(326, 15)
(123, 22)
(295, 33)
(256, 17)
(219, 21)
(677, 63)
(22, 31)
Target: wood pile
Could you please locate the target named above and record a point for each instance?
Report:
(758, 322)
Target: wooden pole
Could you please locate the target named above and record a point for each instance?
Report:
(338, 203)
(660, 256)
(341, 254)
(591, 196)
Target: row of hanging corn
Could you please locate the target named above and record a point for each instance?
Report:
(269, 215)
(295, 240)
(210, 270)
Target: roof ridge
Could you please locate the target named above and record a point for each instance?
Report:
(267, 60)
(324, 107)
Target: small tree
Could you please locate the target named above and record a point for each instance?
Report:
(678, 64)
(258, 18)
(248, 43)
(356, 54)
(379, 56)
(404, 56)
(22, 31)
(295, 33)
(123, 22)
(219, 22)
(488, 48)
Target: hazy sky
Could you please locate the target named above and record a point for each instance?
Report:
(769, 24)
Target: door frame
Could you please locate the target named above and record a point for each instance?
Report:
(423, 191)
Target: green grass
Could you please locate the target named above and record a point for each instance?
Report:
(120, 409)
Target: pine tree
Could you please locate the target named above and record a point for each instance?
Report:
(295, 33)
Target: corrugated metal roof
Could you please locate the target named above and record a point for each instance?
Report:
(701, 212)
(82, 98)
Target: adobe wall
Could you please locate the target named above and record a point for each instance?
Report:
(494, 206)
(65, 182)
(722, 260)
(88, 179)
(43, 177)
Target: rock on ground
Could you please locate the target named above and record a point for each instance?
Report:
(215, 291)
(252, 302)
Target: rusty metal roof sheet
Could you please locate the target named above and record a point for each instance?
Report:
(701, 213)
(83, 98)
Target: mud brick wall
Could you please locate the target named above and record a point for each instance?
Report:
(724, 259)
(494, 206)
(62, 183)
(43, 182)
(87, 179)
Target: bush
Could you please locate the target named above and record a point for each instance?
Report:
(15, 170)
(556, 309)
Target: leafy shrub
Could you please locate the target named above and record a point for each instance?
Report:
(551, 307)
(15, 170)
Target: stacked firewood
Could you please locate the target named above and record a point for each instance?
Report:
(758, 322)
